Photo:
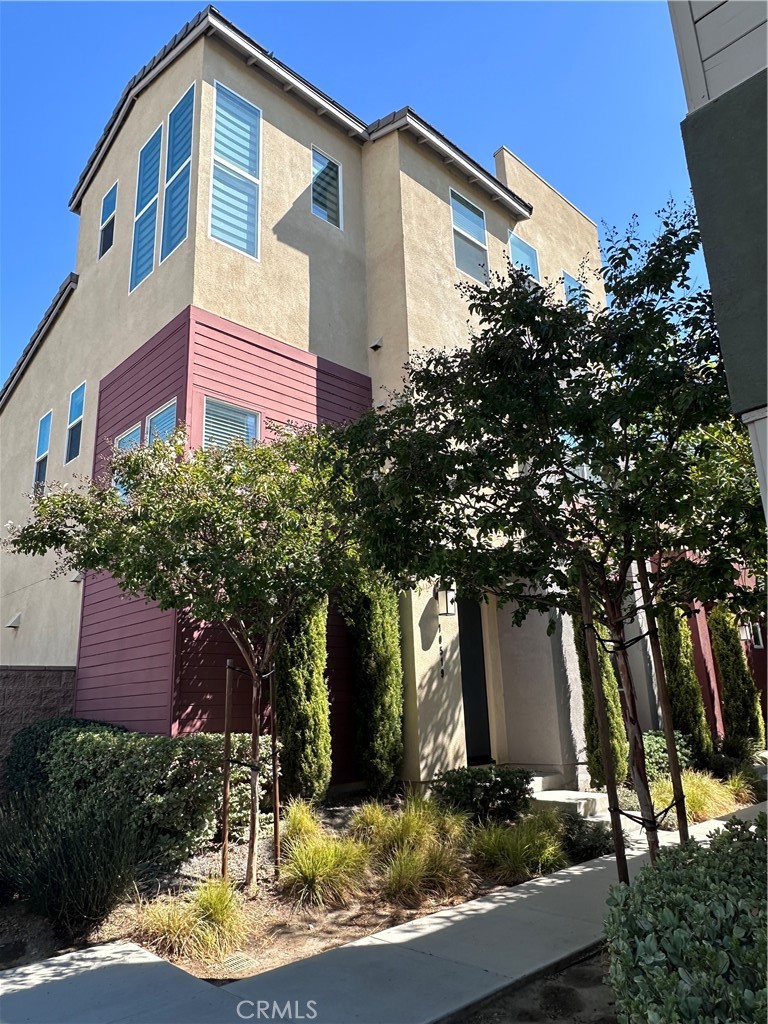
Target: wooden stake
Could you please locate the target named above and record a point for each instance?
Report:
(227, 768)
(275, 773)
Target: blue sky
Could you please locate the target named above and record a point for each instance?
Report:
(588, 94)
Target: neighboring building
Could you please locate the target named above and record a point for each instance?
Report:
(722, 48)
(249, 251)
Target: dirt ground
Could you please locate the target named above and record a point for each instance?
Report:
(576, 995)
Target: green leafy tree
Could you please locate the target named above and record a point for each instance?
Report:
(688, 714)
(742, 716)
(239, 535)
(302, 704)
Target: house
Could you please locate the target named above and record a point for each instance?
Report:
(249, 251)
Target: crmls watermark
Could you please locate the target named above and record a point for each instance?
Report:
(263, 1009)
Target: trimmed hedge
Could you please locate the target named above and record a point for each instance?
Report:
(619, 742)
(688, 714)
(742, 715)
(687, 941)
(373, 617)
(487, 794)
(303, 711)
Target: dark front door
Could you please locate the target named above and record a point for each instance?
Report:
(478, 733)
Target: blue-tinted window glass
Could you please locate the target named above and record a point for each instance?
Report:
(524, 255)
(149, 171)
(234, 210)
(574, 289)
(468, 218)
(109, 203)
(44, 435)
(237, 131)
(162, 423)
(180, 133)
(76, 403)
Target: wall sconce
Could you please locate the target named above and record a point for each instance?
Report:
(446, 599)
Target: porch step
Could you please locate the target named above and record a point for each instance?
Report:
(585, 804)
(545, 781)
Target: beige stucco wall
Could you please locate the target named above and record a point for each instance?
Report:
(98, 328)
(308, 286)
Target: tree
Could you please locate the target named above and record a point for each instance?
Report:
(240, 535)
(688, 715)
(742, 716)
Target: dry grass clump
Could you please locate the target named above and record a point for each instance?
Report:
(300, 820)
(705, 796)
(511, 854)
(321, 869)
(411, 875)
(207, 923)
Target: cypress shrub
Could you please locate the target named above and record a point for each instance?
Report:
(619, 742)
(688, 715)
(374, 621)
(742, 716)
(301, 698)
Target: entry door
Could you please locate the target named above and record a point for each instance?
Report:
(477, 729)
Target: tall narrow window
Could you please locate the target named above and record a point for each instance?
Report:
(161, 423)
(236, 172)
(469, 242)
(130, 439)
(107, 230)
(177, 174)
(41, 455)
(223, 423)
(326, 188)
(574, 289)
(524, 255)
(145, 222)
(75, 422)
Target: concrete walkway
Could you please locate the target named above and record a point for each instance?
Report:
(425, 971)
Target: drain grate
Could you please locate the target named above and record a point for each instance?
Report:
(239, 962)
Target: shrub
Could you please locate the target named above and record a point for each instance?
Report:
(618, 735)
(414, 827)
(370, 822)
(300, 821)
(301, 698)
(486, 794)
(322, 870)
(374, 620)
(687, 941)
(743, 785)
(688, 713)
(656, 757)
(742, 715)
(705, 797)
(73, 864)
(733, 754)
(208, 923)
(583, 839)
(515, 853)
(410, 875)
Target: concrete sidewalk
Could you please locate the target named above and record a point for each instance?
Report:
(425, 971)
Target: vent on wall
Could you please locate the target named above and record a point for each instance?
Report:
(15, 622)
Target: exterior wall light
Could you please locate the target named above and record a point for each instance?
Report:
(15, 622)
(446, 599)
(376, 345)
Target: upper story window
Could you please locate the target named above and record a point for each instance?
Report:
(223, 422)
(178, 163)
(145, 216)
(41, 455)
(75, 422)
(326, 188)
(107, 229)
(130, 439)
(523, 255)
(470, 247)
(162, 422)
(236, 172)
(757, 636)
(574, 289)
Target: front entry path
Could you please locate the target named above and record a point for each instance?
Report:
(428, 970)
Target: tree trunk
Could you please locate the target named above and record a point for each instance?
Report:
(603, 728)
(227, 769)
(275, 773)
(664, 702)
(253, 830)
(634, 732)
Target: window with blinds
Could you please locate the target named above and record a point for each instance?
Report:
(223, 423)
(145, 215)
(107, 228)
(326, 188)
(524, 255)
(236, 172)
(178, 163)
(161, 423)
(470, 248)
(75, 422)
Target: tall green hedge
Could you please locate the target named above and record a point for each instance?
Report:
(619, 742)
(742, 716)
(303, 711)
(688, 714)
(373, 617)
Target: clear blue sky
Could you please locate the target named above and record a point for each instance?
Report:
(588, 94)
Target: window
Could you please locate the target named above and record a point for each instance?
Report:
(161, 423)
(145, 218)
(574, 289)
(178, 161)
(75, 423)
(523, 255)
(107, 230)
(129, 439)
(223, 423)
(326, 188)
(757, 636)
(469, 245)
(236, 172)
(41, 456)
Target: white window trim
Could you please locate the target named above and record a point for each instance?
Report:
(340, 225)
(125, 433)
(74, 422)
(156, 412)
(105, 222)
(235, 170)
(155, 198)
(573, 277)
(230, 405)
(512, 235)
(757, 632)
(161, 215)
(47, 452)
(470, 238)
